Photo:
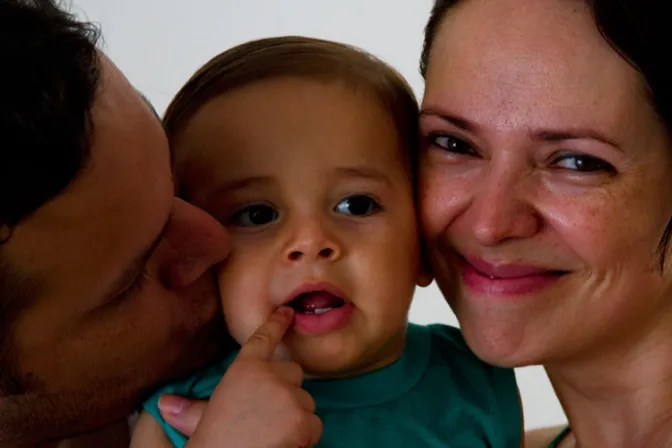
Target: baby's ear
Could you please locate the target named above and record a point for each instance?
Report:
(424, 278)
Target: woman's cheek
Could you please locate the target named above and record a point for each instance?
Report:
(592, 224)
(439, 199)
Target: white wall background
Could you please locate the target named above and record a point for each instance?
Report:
(158, 44)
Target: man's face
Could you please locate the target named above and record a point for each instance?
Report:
(127, 297)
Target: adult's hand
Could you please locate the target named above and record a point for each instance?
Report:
(258, 403)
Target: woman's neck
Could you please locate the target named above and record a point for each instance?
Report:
(620, 394)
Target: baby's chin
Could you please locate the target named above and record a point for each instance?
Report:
(283, 353)
(323, 368)
(332, 356)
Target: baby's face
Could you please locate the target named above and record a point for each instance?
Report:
(312, 183)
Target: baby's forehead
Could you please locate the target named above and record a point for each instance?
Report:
(292, 125)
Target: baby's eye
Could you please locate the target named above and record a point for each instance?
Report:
(254, 215)
(358, 205)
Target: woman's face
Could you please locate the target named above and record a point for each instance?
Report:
(546, 184)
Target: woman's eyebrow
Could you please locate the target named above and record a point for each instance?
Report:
(573, 134)
(549, 135)
(454, 119)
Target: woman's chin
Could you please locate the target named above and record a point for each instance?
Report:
(500, 345)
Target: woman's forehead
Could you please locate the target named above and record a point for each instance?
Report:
(541, 66)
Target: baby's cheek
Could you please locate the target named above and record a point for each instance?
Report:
(244, 297)
(243, 318)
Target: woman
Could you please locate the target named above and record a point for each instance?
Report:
(547, 197)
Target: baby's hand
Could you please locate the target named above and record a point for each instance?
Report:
(258, 402)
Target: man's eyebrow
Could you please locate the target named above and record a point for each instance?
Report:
(158, 117)
(135, 268)
(150, 105)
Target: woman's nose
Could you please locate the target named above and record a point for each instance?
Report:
(500, 211)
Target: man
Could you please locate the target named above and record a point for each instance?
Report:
(105, 283)
(105, 277)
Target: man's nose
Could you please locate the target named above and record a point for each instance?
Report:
(194, 242)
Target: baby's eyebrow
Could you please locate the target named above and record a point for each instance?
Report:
(365, 172)
(246, 182)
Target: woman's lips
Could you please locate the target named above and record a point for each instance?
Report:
(506, 279)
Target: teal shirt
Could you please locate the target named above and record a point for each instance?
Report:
(438, 394)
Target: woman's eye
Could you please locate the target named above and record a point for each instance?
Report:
(254, 215)
(358, 205)
(583, 163)
(451, 144)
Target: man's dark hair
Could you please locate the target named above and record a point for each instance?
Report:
(47, 86)
(639, 30)
(48, 81)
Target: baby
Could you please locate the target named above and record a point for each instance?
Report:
(306, 151)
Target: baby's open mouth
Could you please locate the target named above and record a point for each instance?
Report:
(316, 302)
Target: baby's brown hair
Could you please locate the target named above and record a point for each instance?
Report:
(304, 57)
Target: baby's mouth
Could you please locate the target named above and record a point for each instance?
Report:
(316, 302)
